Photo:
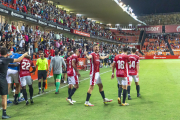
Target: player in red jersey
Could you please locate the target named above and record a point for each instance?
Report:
(121, 62)
(25, 77)
(133, 70)
(94, 74)
(73, 74)
(68, 64)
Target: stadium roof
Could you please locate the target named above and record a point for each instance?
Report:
(104, 11)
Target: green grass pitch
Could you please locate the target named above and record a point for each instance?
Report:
(159, 88)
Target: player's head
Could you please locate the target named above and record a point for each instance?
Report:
(56, 52)
(4, 51)
(133, 50)
(42, 55)
(125, 50)
(96, 48)
(75, 50)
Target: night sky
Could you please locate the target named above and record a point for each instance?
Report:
(141, 7)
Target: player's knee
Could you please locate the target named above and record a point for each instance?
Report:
(57, 80)
(136, 83)
(24, 87)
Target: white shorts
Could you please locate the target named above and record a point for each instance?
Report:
(12, 75)
(95, 79)
(136, 79)
(122, 80)
(73, 80)
(26, 80)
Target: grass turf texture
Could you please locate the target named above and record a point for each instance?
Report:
(159, 87)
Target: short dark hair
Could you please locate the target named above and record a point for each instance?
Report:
(56, 52)
(95, 45)
(62, 52)
(3, 51)
(125, 49)
(74, 49)
(134, 50)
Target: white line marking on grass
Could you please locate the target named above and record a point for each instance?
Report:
(55, 89)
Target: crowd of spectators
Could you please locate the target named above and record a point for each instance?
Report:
(49, 12)
(35, 40)
(161, 19)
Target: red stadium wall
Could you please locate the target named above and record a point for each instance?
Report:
(160, 57)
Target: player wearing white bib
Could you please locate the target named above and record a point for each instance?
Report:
(133, 71)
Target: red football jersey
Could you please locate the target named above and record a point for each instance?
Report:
(121, 61)
(52, 52)
(24, 67)
(68, 63)
(71, 71)
(95, 62)
(46, 53)
(132, 69)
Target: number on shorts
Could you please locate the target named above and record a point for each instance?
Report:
(120, 64)
(25, 65)
(132, 64)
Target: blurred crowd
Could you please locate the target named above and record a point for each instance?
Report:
(161, 19)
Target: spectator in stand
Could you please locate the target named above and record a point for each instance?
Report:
(46, 52)
(22, 43)
(52, 52)
(13, 27)
(23, 28)
(6, 26)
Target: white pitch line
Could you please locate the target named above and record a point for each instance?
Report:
(55, 89)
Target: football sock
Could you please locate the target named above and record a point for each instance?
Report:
(44, 85)
(124, 96)
(118, 86)
(31, 91)
(102, 94)
(25, 94)
(15, 97)
(39, 85)
(137, 88)
(57, 86)
(19, 95)
(69, 91)
(88, 96)
(119, 92)
(4, 112)
(128, 89)
(72, 92)
(7, 96)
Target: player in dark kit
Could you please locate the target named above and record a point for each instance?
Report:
(4, 61)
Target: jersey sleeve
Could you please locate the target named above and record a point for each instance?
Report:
(9, 60)
(37, 63)
(46, 62)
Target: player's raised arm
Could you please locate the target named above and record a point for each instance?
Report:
(88, 56)
(20, 58)
(104, 57)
